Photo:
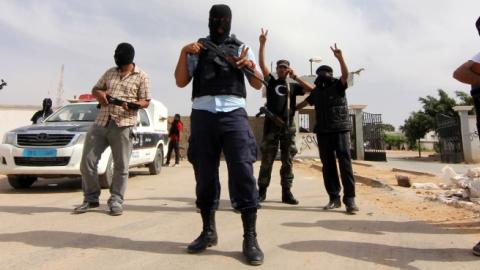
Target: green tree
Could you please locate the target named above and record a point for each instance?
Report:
(395, 140)
(387, 128)
(416, 127)
(465, 98)
(432, 106)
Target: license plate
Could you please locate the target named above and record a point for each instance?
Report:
(40, 153)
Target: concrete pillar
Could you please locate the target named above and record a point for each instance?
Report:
(358, 111)
(465, 129)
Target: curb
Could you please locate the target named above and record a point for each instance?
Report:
(412, 172)
(361, 164)
(362, 179)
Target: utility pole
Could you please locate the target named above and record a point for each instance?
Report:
(59, 99)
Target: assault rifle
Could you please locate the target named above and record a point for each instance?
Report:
(209, 45)
(268, 114)
(2, 84)
(119, 102)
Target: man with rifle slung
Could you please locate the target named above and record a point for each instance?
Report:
(121, 91)
(219, 123)
(280, 108)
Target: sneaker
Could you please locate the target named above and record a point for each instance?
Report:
(85, 206)
(116, 210)
(476, 249)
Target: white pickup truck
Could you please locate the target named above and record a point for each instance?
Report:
(54, 148)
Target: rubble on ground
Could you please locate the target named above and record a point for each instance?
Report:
(459, 190)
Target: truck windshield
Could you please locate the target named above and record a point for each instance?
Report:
(75, 113)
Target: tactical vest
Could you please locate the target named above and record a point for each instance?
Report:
(332, 110)
(214, 76)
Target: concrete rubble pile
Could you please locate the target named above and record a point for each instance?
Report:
(460, 190)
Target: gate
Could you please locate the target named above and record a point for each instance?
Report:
(450, 138)
(353, 138)
(374, 143)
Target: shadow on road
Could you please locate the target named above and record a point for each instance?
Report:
(60, 239)
(53, 185)
(399, 257)
(379, 227)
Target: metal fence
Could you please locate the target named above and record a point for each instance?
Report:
(373, 139)
(450, 138)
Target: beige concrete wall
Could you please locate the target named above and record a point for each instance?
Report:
(256, 125)
(12, 117)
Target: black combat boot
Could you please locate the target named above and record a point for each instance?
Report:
(262, 193)
(287, 197)
(208, 237)
(251, 250)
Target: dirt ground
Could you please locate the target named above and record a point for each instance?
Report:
(408, 202)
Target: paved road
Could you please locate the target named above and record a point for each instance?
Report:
(37, 231)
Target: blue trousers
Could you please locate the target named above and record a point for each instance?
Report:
(212, 133)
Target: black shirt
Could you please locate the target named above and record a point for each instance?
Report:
(331, 108)
(312, 99)
(277, 98)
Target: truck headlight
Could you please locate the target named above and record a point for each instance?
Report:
(9, 138)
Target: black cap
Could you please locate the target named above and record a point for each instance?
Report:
(283, 62)
(324, 68)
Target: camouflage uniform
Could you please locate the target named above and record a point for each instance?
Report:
(272, 137)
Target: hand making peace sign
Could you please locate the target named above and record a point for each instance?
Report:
(263, 37)
(336, 51)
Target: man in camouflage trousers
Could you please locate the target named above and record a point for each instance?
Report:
(274, 133)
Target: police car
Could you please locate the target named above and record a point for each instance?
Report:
(54, 148)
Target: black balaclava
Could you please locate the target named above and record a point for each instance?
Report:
(478, 25)
(218, 12)
(124, 54)
(47, 104)
(324, 80)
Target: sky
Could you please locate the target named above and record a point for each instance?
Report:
(409, 48)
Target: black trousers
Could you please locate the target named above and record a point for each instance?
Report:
(212, 133)
(331, 145)
(173, 145)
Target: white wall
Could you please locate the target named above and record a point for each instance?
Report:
(473, 137)
(12, 117)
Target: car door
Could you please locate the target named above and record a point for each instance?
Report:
(144, 145)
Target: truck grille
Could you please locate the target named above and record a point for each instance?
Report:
(44, 139)
(41, 161)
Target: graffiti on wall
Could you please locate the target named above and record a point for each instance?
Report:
(307, 144)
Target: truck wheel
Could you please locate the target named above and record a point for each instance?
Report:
(156, 166)
(105, 180)
(21, 182)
